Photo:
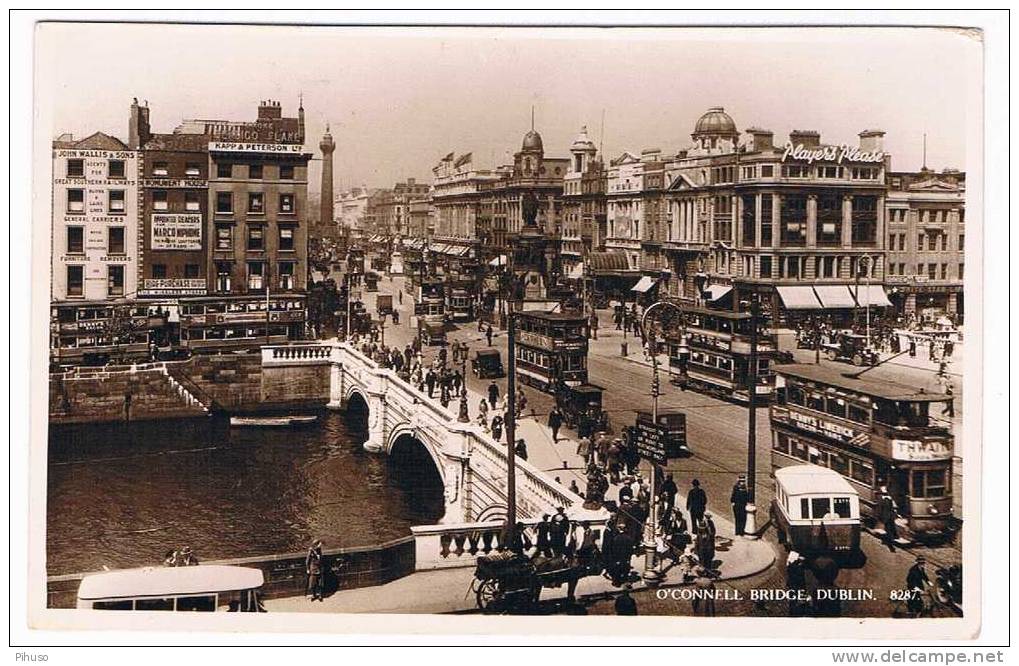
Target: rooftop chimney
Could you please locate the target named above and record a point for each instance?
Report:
(759, 140)
(808, 138)
(872, 141)
(269, 110)
(138, 130)
(651, 155)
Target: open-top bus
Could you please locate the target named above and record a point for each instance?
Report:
(876, 434)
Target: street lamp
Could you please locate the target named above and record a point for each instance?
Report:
(755, 313)
(464, 416)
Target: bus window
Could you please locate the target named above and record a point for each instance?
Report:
(820, 507)
(205, 603)
(929, 483)
(913, 413)
(841, 506)
(815, 401)
(836, 407)
(862, 472)
(804, 509)
(113, 605)
(818, 457)
(794, 395)
(153, 604)
(781, 443)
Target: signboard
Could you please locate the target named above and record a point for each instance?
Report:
(660, 441)
(247, 147)
(173, 286)
(174, 182)
(176, 231)
(836, 154)
(534, 340)
(830, 429)
(914, 449)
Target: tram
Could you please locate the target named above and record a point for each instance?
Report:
(430, 300)
(876, 434)
(210, 325)
(551, 347)
(460, 299)
(719, 354)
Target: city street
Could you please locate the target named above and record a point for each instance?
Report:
(717, 436)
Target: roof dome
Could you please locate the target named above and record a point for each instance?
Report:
(582, 142)
(715, 121)
(532, 141)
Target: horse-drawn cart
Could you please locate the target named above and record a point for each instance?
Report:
(506, 582)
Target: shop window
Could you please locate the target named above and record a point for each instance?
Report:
(115, 240)
(256, 238)
(75, 201)
(75, 240)
(159, 200)
(255, 172)
(115, 281)
(224, 237)
(224, 170)
(256, 203)
(116, 202)
(159, 271)
(115, 168)
(160, 169)
(286, 239)
(256, 271)
(75, 168)
(75, 280)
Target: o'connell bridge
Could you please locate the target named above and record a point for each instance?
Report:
(471, 464)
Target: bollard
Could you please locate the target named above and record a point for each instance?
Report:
(622, 348)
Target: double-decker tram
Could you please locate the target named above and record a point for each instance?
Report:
(551, 347)
(460, 299)
(225, 323)
(718, 342)
(430, 300)
(876, 434)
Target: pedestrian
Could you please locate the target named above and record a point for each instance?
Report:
(313, 569)
(521, 449)
(916, 584)
(739, 499)
(619, 551)
(704, 593)
(488, 334)
(709, 525)
(458, 383)
(696, 502)
(555, 421)
(594, 325)
(669, 490)
(399, 297)
(625, 605)
(493, 394)
(558, 529)
(544, 544)
(481, 325)
(796, 583)
(430, 382)
(519, 542)
(886, 514)
(949, 409)
(497, 427)
(521, 402)
(574, 488)
(483, 410)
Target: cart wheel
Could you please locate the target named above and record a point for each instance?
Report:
(857, 359)
(830, 355)
(487, 593)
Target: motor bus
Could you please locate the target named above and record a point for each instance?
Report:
(551, 347)
(202, 588)
(815, 510)
(876, 434)
(718, 342)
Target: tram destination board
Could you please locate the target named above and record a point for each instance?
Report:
(663, 440)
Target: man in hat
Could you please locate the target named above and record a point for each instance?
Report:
(558, 531)
(313, 568)
(916, 583)
(796, 582)
(669, 490)
(625, 605)
(739, 499)
(696, 502)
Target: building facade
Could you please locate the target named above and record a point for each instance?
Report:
(349, 210)
(925, 246)
(584, 204)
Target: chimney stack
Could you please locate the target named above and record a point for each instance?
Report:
(759, 139)
(651, 155)
(872, 141)
(138, 129)
(806, 138)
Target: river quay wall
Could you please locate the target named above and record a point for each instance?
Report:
(232, 383)
(346, 569)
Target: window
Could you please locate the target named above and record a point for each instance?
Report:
(798, 448)
(820, 507)
(962, 242)
(932, 271)
(154, 604)
(75, 240)
(864, 220)
(224, 170)
(255, 172)
(75, 168)
(113, 605)
(839, 463)
(191, 271)
(864, 173)
(944, 271)
(158, 271)
(829, 172)
(929, 483)
(780, 442)
(160, 169)
(159, 201)
(75, 280)
(795, 171)
(116, 202)
(192, 201)
(205, 603)
(961, 267)
(256, 270)
(224, 237)
(792, 267)
(287, 203)
(224, 202)
(765, 266)
(793, 214)
(767, 171)
(193, 170)
(115, 281)
(286, 275)
(829, 220)
(862, 472)
(749, 172)
(222, 276)
(859, 414)
(75, 201)
(256, 238)
(804, 508)
(115, 240)
(286, 172)
(286, 238)
(256, 203)
(841, 505)
(115, 169)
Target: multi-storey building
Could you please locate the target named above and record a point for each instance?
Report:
(926, 214)
(583, 218)
(462, 214)
(349, 210)
(387, 211)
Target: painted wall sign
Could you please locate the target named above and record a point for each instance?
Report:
(837, 154)
(244, 147)
(176, 231)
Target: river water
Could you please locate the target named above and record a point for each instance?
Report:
(122, 495)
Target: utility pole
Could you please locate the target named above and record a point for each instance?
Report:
(755, 311)
(651, 574)
(511, 412)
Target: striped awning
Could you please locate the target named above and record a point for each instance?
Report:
(609, 262)
(644, 284)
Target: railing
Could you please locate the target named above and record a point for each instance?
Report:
(303, 354)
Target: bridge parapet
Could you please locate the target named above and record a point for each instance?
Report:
(308, 353)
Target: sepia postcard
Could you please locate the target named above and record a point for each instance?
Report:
(489, 330)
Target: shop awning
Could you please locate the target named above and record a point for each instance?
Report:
(609, 262)
(459, 250)
(799, 298)
(717, 292)
(439, 248)
(834, 296)
(577, 272)
(873, 295)
(498, 261)
(644, 284)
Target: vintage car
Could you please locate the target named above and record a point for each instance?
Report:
(851, 348)
(487, 363)
(815, 510)
(431, 333)
(580, 405)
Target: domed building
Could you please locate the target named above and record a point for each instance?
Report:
(714, 134)
(528, 162)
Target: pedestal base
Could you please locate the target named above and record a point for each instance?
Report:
(750, 531)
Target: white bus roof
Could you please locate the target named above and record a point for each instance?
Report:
(169, 581)
(812, 479)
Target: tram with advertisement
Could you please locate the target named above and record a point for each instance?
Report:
(460, 299)
(94, 333)
(229, 323)
(717, 353)
(430, 300)
(551, 347)
(876, 434)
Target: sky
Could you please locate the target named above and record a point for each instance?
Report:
(399, 99)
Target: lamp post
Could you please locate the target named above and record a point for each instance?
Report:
(755, 312)
(464, 416)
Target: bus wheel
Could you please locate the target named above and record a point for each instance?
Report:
(857, 359)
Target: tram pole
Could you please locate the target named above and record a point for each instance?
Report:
(651, 574)
(751, 526)
(511, 416)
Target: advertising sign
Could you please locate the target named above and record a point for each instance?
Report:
(248, 147)
(914, 449)
(176, 231)
(665, 439)
(836, 154)
(173, 286)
